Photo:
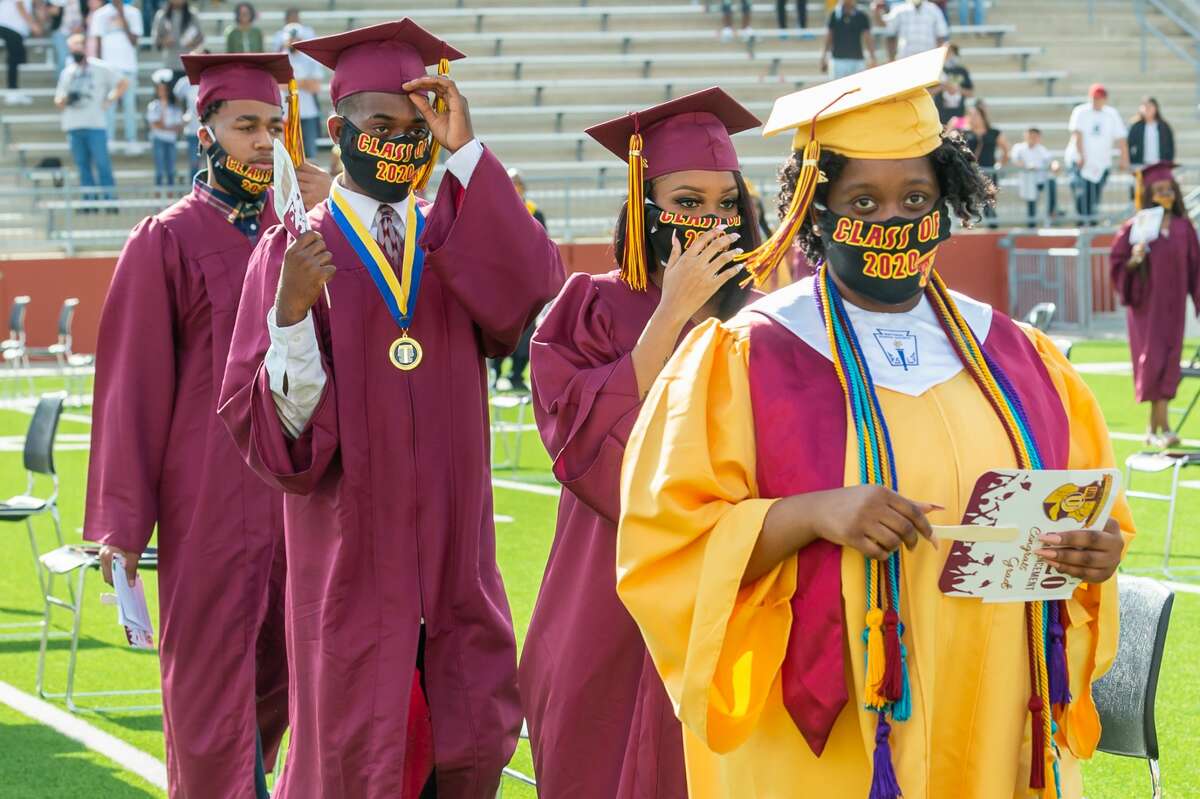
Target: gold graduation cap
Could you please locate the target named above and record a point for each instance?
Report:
(883, 113)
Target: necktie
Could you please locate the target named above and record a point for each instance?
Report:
(388, 235)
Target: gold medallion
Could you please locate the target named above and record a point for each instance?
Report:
(405, 353)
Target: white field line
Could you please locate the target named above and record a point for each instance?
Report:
(134, 760)
(529, 488)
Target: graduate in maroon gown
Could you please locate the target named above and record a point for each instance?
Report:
(370, 411)
(600, 722)
(1154, 279)
(161, 456)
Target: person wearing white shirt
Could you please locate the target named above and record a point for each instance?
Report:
(1096, 129)
(912, 27)
(114, 31)
(291, 17)
(1038, 168)
(16, 23)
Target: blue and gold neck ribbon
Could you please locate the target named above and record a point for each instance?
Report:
(399, 292)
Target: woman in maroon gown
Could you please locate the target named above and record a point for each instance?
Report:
(600, 722)
(1154, 279)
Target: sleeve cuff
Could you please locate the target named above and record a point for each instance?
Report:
(462, 163)
(290, 347)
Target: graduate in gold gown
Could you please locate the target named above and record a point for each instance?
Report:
(775, 543)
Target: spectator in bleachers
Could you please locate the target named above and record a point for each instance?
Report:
(309, 75)
(970, 12)
(63, 18)
(985, 141)
(87, 87)
(165, 119)
(848, 40)
(957, 71)
(1155, 267)
(114, 29)
(243, 36)
(1096, 129)
(186, 95)
(801, 14)
(912, 27)
(291, 17)
(1038, 168)
(950, 100)
(16, 24)
(176, 31)
(1150, 137)
(520, 357)
(727, 18)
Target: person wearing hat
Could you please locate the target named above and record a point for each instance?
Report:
(775, 543)
(1096, 129)
(160, 456)
(370, 410)
(1155, 268)
(594, 357)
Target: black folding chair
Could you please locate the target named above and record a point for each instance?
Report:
(13, 349)
(71, 365)
(1125, 695)
(39, 461)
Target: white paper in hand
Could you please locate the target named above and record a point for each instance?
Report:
(289, 206)
(1146, 225)
(132, 613)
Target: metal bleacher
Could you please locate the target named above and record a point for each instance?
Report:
(540, 71)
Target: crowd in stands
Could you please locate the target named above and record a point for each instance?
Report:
(95, 44)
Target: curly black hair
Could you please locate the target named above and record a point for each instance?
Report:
(964, 187)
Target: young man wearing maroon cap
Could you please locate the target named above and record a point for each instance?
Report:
(369, 409)
(160, 456)
(1095, 128)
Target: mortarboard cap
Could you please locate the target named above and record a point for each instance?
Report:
(1149, 175)
(378, 58)
(689, 132)
(882, 113)
(237, 76)
(885, 113)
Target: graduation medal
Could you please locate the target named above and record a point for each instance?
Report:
(399, 292)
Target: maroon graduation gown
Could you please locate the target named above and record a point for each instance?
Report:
(388, 510)
(160, 455)
(1155, 299)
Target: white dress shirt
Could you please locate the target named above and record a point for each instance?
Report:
(293, 359)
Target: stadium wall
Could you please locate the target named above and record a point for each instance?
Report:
(973, 264)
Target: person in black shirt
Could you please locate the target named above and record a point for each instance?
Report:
(848, 37)
(958, 73)
(985, 141)
(950, 100)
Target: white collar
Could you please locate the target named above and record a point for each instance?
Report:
(906, 352)
(367, 207)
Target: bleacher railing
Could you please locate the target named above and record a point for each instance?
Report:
(1183, 14)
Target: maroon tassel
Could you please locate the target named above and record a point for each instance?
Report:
(883, 779)
(892, 685)
(1056, 660)
(1037, 755)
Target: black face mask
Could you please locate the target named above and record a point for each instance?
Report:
(887, 261)
(663, 226)
(79, 57)
(247, 183)
(384, 168)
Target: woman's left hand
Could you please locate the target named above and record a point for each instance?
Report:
(1091, 555)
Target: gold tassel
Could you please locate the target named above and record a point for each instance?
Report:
(1139, 189)
(872, 693)
(633, 260)
(439, 106)
(293, 136)
(762, 261)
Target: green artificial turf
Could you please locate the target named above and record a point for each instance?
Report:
(36, 762)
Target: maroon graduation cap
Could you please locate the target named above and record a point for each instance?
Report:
(378, 58)
(689, 132)
(238, 76)
(1156, 172)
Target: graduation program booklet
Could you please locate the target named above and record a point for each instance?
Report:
(132, 612)
(1146, 225)
(1028, 503)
